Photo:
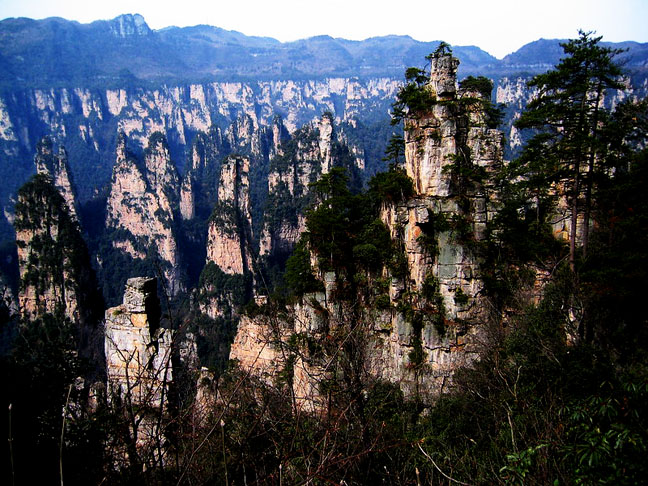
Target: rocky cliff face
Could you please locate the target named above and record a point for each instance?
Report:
(301, 159)
(129, 25)
(141, 207)
(225, 281)
(138, 351)
(423, 321)
(230, 238)
(85, 120)
(56, 168)
(55, 272)
(199, 184)
(139, 368)
(183, 110)
(449, 152)
(514, 94)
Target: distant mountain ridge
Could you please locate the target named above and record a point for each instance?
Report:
(55, 52)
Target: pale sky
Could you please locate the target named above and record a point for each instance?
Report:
(497, 26)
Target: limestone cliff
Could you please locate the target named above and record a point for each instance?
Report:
(138, 351)
(141, 207)
(197, 193)
(139, 370)
(450, 152)
(55, 272)
(229, 238)
(225, 282)
(84, 119)
(56, 168)
(415, 322)
(302, 159)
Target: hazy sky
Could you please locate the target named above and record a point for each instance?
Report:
(497, 26)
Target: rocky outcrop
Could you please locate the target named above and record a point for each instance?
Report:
(85, 119)
(8, 301)
(141, 207)
(226, 279)
(229, 239)
(56, 277)
(139, 369)
(55, 271)
(138, 350)
(303, 158)
(450, 154)
(422, 319)
(243, 137)
(129, 25)
(198, 191)
(56, 168)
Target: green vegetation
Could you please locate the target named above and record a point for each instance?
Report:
(572, 144)
(57, 258)
(392, 186)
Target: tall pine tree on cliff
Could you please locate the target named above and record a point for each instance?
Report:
(569, 114)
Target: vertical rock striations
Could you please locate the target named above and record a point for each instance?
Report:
(310, 152)
(450, 153)
(225, 282)
(230, 227)
(417, 319)
(138, 350)
(139, 369)
(197, 194)
(55, 166)
(141, 208)
(55, 272)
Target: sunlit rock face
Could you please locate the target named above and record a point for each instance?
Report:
(306, 155)
(56, 167)
(56, 277)
(141, 207)
(229, 237)
(138, 350)
(139, 365)
(442, 287)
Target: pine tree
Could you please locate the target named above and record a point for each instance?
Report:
(569, 114)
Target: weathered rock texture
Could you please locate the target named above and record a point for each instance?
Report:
(303, 158)
(55, 272)
(226, 279)
(141, 207)
(230, 238)
(139, 366)
(429, 318)
(138, 350)
(449, 152)
(56, 168)
(56, 276)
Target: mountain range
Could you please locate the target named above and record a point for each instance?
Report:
(55, 52)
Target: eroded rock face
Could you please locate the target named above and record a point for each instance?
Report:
(138, 351)
(139, 367)
(53, 260)
(129, 25)
(56, 167)
(56, 276)
(428, 322)
(140, 207)
(229, 237)
(443, 76)
(303, 158)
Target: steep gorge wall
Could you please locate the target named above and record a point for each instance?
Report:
(141, 207)
(86, 121)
